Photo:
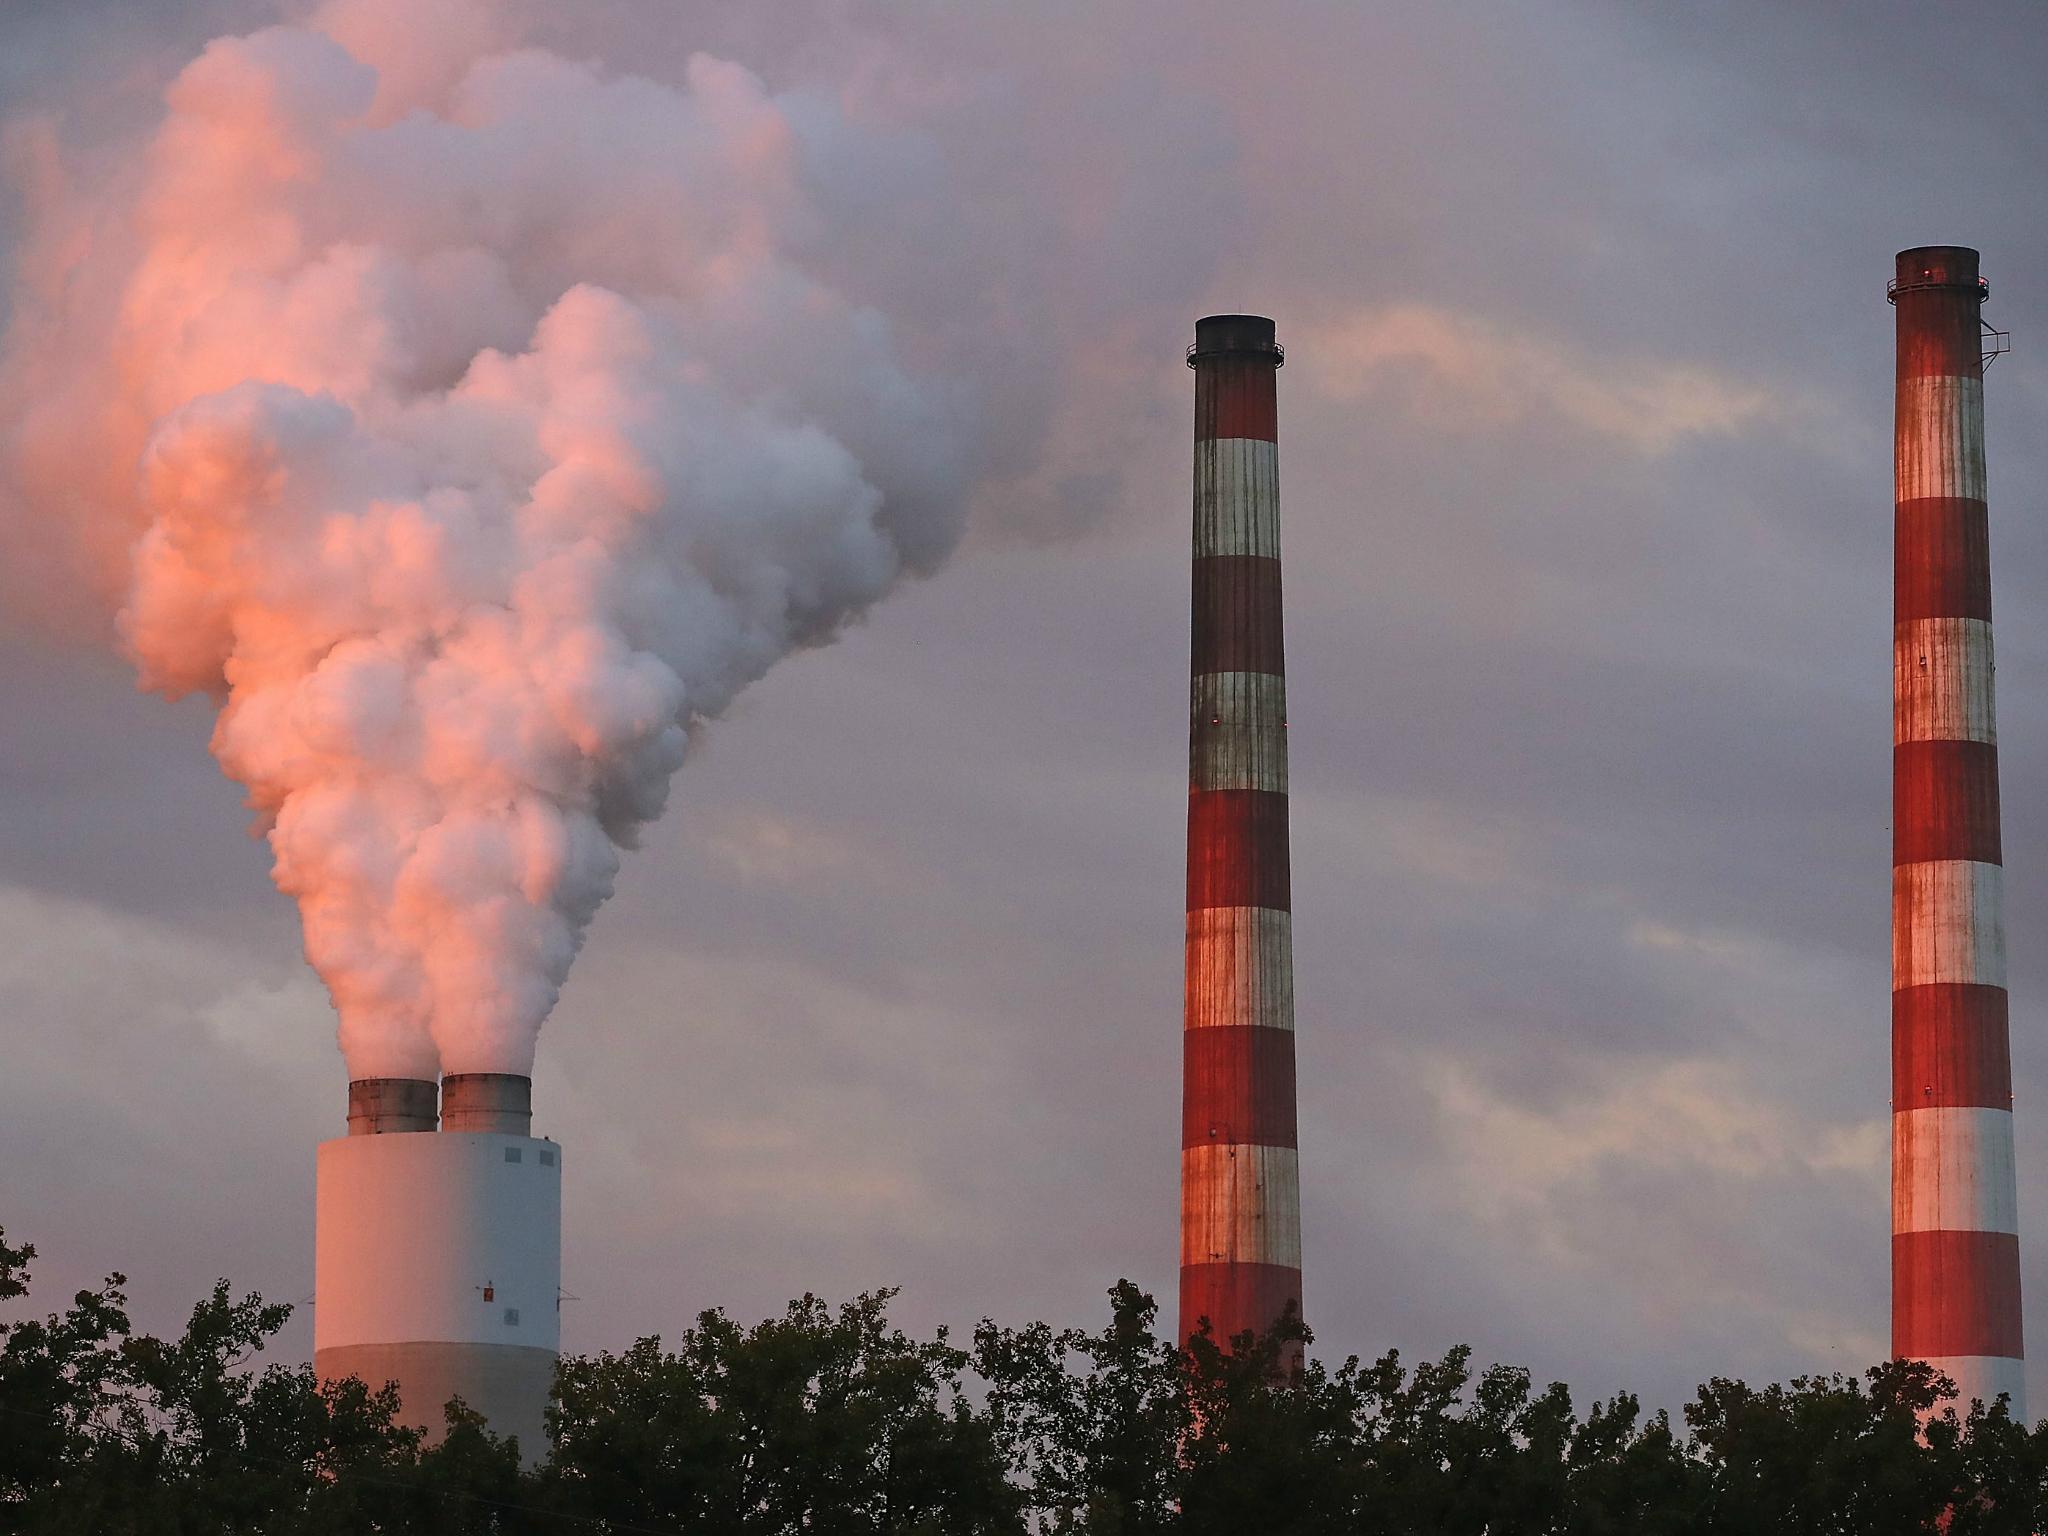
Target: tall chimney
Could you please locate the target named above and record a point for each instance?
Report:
(1240, 1207)
(1955, 1244)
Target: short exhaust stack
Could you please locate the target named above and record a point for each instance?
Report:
(380, 1105)
(497, 1102)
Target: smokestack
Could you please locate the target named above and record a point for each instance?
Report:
(1955, 1244)
(1240, 1220)
(378, 1105)
(438, 1259)
(487, 1101)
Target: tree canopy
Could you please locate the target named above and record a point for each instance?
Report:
(830, 1420)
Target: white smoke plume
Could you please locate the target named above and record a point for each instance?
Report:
(471, 422)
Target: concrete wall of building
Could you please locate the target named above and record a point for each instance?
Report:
(438, 1263)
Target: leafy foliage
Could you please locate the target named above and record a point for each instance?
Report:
(814, 1421)
(832, 1421)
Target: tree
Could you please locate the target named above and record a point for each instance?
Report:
(1272, 1445)
(1630, 1477)
(1825, 1454)
(832, 1422)
(58, 1380)
(1091, 1423)
(814, 1421)
(107, 1433)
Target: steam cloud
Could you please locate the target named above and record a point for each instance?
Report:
(472, 422)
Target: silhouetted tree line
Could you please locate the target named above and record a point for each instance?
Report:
(831, 1421)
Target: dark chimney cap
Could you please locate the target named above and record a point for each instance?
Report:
(1243, 335)
(500, 1102)
(378, 1106)
(1938, 266)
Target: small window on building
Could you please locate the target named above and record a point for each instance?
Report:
(547, 1157)
(512, 1317)
(511, 1154)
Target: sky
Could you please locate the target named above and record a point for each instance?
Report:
(1585, 475)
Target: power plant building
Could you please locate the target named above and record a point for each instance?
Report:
(438, 1252)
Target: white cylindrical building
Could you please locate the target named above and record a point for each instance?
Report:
(438, 1263)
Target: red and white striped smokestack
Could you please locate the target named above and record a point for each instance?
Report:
(1955, 1244)
(1240, 1211)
